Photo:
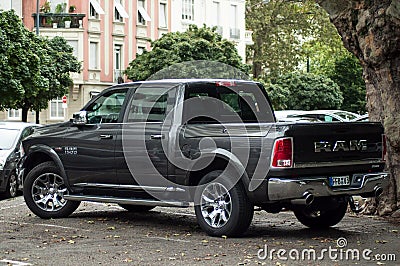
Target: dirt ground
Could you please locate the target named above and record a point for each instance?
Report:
(105, 234)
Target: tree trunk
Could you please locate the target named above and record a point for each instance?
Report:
(24, 114)
(371, 30)
(257, 55)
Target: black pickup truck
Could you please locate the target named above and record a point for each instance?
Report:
(213, 144)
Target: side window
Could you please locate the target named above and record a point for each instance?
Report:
(26, 132)
(148, 105)
(107, 108)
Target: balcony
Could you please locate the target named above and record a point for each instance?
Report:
(248, 37)
(59, 20)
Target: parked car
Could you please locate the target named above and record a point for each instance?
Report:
(362, 118)
(212, 142)
(12, 133)
(327, 115)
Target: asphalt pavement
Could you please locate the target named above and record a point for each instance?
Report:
(105, 234)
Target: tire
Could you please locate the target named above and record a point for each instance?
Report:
(322, 218)
(136, 208)
(12, 186)
(229, 213)
(44, 191)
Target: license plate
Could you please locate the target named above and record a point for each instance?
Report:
(338, 181)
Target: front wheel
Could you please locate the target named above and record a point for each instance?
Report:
(12, 186)
(329, 213)
(222, 208)
(44, 191)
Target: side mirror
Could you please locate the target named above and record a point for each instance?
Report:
(79, 118)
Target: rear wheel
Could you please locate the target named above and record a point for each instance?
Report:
(222, 208)
(44, 191)
(321, 216)
(136, 208)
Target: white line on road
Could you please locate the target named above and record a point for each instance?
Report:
(45, 225)
(9, 207)
(15, 263)
(169, 239)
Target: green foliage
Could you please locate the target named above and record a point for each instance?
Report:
(196, 44)
(287, 34)
(347, 72)
(33, 70)
(305, 91)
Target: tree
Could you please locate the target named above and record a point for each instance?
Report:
(287, 34)
(371, 31)
(33, 70)
(202, 44)
(347, 73)
(305, 91)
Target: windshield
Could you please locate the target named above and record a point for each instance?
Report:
(7, 138)
(346, 115)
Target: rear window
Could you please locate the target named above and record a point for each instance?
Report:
(212, 103)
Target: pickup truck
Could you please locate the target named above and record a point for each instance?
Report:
(211, 144)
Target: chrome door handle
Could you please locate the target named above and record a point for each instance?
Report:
(106, 136)
(161, 136)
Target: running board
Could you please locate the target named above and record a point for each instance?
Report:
(144, 202)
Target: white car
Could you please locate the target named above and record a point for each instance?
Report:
(326, 115)
(11, 134)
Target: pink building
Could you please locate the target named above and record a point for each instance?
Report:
(106, 35)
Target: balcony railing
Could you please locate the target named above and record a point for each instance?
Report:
(248, 37)
(59, 20)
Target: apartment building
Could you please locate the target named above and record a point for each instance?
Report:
(107, 34)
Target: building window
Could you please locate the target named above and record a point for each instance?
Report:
(95, 9)
(140, 50)
(119, 11)
(163, 15)
(14, 114)
(93, 55)
(56, 110)
(234, 31)
(215, 14)
(118, 75)
(74, 45)
(143, 16)
(188, 9)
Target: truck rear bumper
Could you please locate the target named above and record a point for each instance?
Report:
(361, 184)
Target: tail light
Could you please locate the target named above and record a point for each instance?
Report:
(384, 149)
(225, 83)
(282, 154)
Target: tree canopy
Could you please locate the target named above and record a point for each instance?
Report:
(305, 91)
(33, 69)
(196, 44)
(287, 35)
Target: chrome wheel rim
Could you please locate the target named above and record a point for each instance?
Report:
(48, 192)
(216, 205)
(13, 185)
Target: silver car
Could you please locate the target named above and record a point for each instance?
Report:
(11, 134)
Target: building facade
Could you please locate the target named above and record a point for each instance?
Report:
(108, 34)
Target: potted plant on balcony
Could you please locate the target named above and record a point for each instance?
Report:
(67, 22)
(72, 9)
(60, 8)
(45, 8)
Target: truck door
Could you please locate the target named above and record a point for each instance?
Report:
(142, 145)
(89, 152)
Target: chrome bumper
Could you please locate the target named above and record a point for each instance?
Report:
(286, 189)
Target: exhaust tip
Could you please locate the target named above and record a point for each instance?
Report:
(378, 191)
(309, 198)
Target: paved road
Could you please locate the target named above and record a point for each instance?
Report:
(104, 234)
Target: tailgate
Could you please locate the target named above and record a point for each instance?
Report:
(335, 142)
